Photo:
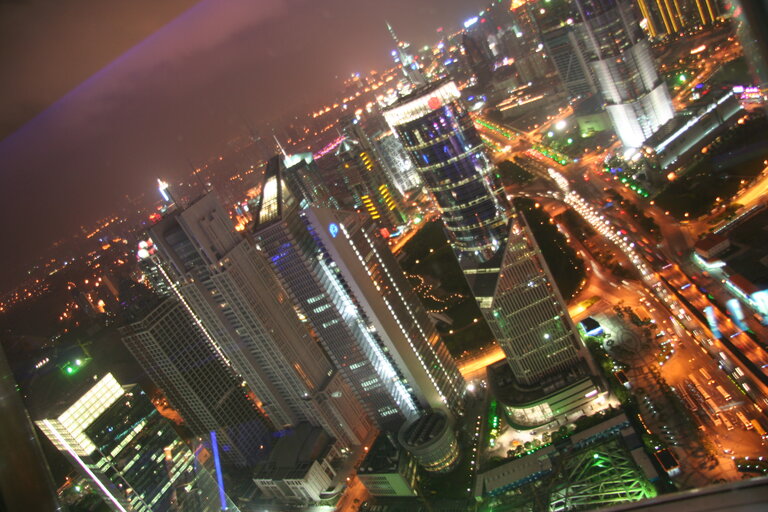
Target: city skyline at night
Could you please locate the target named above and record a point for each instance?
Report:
(117, 154)
(482, 256)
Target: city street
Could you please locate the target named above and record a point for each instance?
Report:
(706, 450)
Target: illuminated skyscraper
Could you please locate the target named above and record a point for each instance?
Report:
(561, 31)
(501, 261)
(753, 18)
(367, 316)
(402, 56)
(395, 313)
(668, 17)
(179, 359)
(525, 45)
(635, 96)
(131, 455)
(370, 188)
(447, 151)
(378, 141)
(235, 298)
(394, 158)
(303, 179)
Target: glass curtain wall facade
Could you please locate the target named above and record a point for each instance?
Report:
(116, 439)
(371, 190)
(396, 161)
(665, 17)
(317, 287)
(397, 316)
(560, 29)
(527, 316)
(636, 98)
(229, 287)
(303, 179)
(500, 259)
(447, 151)
(752, 19)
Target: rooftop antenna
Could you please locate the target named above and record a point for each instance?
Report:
(392, 33)
(285, 155)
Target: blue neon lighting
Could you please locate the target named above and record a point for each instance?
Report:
(219, 477)
(596, 331)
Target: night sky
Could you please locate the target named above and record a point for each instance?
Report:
(98, 98)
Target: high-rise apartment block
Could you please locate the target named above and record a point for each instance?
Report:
(178, 357)
(365, 313)
(236, 300)
(636, 98)
(132, 456)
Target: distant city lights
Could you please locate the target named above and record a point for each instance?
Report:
(471, 21)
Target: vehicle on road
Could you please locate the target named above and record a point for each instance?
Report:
(759, 429)
(707, 377)
(726, 395)
(744, 421)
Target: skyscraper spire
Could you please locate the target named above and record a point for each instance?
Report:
(392, 33)
(408, 63)
(285, 155)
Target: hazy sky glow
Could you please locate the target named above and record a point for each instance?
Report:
(134, 90)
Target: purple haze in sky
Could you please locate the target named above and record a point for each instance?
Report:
(177, 96)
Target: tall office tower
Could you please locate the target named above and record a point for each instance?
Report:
(131, 455)
(439, 134)
(661, 18)
(664, 17)
(528, 317)
(408, 64)
(479, 57)
(508, 277)
(636, 97)
(350, 176)
(561, 31)
(236, 300)
(368, 267)
(395, 160)
(179, 359)
(377, 333)
(753, 18)
(490, 29)
(151, 277)
(707, 10)
(304, 179)
(379, 141)
(531, 61)
(373, 191)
